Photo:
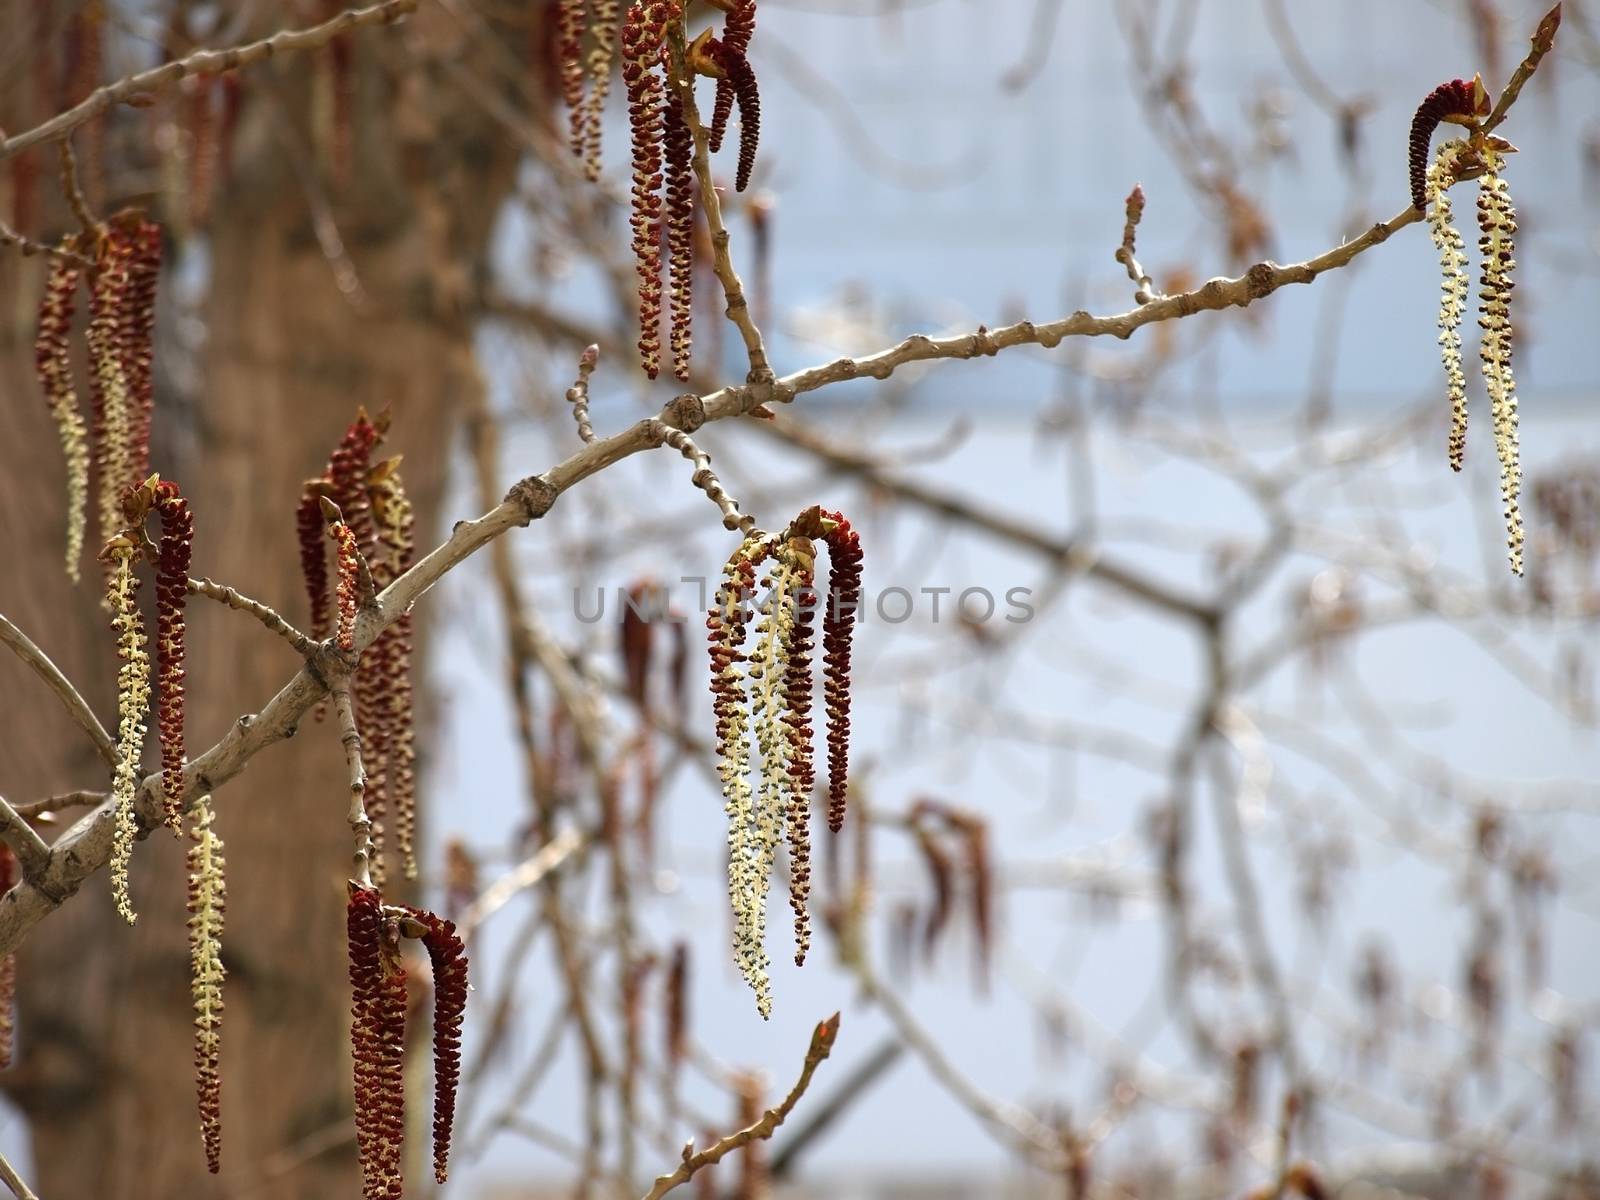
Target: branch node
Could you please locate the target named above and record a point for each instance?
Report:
(536, 494)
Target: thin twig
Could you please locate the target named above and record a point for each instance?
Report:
(58, 683)
(360, 822)
(72, 186)
(9, 1176)
(222, 594)
(203, 63)
(738, 308)
(1544, 38)
(821, 1046)
(706, 479)
(27, 247)
(45, 810)
(526, 874)
(32, 853)
(578, 393)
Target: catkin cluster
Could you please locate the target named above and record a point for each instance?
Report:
(1464, 102)
(378, 1030)
(767, 693)
(361, 505)
(661, 140)
(125, 254)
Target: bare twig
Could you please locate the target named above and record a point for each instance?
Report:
(32, 853)
(28, 247)
(526, 874)
(45, 810)
(578, 393)
(821, 1046)
(202, 63)
(58, 683)
(360, 822)
(72, 186)
(9, 1176)
(222, 594)
(1133, 210)
(1544, 37)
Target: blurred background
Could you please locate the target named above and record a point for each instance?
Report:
(1220, 803)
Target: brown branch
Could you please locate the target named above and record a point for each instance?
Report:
(45, 810)
(72, 186)
(9, 1176)
(222, 594)
(32, 853)
(87, 845)
(821, 1046)
(202, 63)
(58, 683)
(28, 247)
(1544, 38)
(360, 822)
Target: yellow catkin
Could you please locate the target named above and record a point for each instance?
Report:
(604, 31)
(1497, 222)
(1452, 291)
(116, 414)
(55, 373)
(208, 897)
(133, 701)
(746, 881)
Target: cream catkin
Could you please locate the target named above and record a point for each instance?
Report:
(133, 701)
(1453, 288)
(1497, 223)
(208, 899)
(53, 361)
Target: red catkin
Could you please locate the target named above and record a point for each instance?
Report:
(679, 146)
(449, 958)
(377, 1042)
(172, 591)
(737, 31)
(1460, 100)
(838, 623)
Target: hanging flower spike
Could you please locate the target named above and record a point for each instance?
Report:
(389, 693)
(643, 32)
(1452, 291)
(208, 902)
(9, 875)
(377, 1041)
(680, 231)
(109, 395)
(136, 332)
(1461, 102)
(770, 678)
(1497, 222)
(799, 559)
(53, 362)
(347, 560)
(133, 700)
(747, 881)
(737, 31)
(733, 70)
(449, 959)
(310, 529)
(570, 19)
(172, 592)
(838, 624)
(604, 33)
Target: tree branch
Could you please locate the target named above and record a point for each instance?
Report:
(61, 686)
(203, 62)
(821, 1046)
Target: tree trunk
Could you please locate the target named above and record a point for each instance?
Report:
(104, 1072)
